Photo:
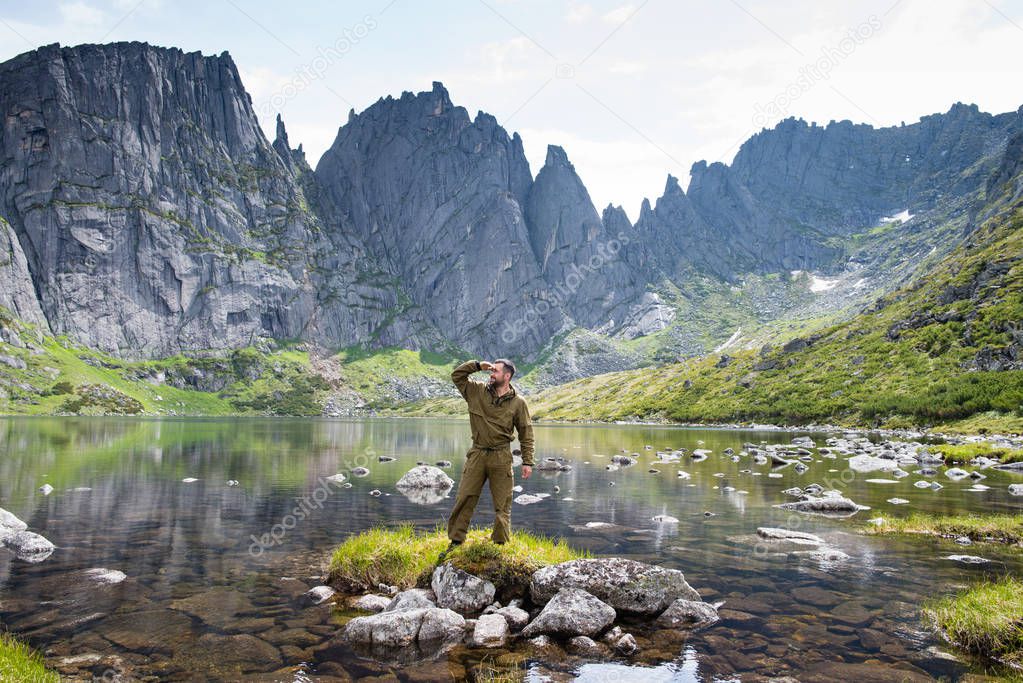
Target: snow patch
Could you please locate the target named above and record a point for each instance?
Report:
(903, 216)
(731, 340)
(819, 284)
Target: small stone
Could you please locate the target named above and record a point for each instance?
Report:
(688, 613)
(491, 631)
(516, 617)
(319, 594)
(370, 602)
(584, 646)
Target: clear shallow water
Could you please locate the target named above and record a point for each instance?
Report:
(212, 581)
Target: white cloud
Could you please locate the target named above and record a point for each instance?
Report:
(619, 14)
(81, 13)
(578, 12)
(628, 68)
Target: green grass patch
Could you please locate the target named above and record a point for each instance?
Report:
(19, 662)
(1007, 529)
(968, 451)
(405, 558)
(986, 620)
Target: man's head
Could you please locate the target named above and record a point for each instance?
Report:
(502, 372)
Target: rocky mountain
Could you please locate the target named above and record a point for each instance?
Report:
(152, 216)
(944, 351)
(146, 214)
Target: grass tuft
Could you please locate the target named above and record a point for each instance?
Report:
(986, 620)
(1006, 529)
(19, 662)
(403, 557)
(968, 451)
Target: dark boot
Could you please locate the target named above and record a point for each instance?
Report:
(444, 553)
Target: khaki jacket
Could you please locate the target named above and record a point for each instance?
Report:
(492, 418)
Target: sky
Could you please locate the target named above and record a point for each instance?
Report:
(633, 91)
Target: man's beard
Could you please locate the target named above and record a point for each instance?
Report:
(492, 384)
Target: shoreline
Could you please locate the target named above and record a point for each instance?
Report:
(901, 433)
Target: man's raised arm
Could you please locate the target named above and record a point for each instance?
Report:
(524, 426)
(460, 376)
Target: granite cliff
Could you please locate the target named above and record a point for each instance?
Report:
(146, 214)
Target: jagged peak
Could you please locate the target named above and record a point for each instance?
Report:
(282, 133)
(556, 156)
(672, 186)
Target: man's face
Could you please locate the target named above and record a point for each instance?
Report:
(499, 375)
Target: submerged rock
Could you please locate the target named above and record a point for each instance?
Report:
(777, 534)
(967, 559)
(584, 646)
(571, 612)
(461, 591)
(688, 613)
(626, 585)
(105, 576)
(527, 499)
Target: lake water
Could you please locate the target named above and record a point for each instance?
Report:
(212, 582)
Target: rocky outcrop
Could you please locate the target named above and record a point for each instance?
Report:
(153, 215)
(571, 612)
(626, 585)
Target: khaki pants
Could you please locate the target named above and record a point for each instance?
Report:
(480, 466)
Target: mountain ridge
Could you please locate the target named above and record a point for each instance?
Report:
(147, 214)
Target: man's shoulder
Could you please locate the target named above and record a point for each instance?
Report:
(518, 400)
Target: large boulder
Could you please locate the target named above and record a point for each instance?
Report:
(627, 585)
(461, 591)
(571, 612)
(425, 477)
(401, 628)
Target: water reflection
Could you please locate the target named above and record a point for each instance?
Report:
(214, 571)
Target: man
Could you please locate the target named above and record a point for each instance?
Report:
(495, 408)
